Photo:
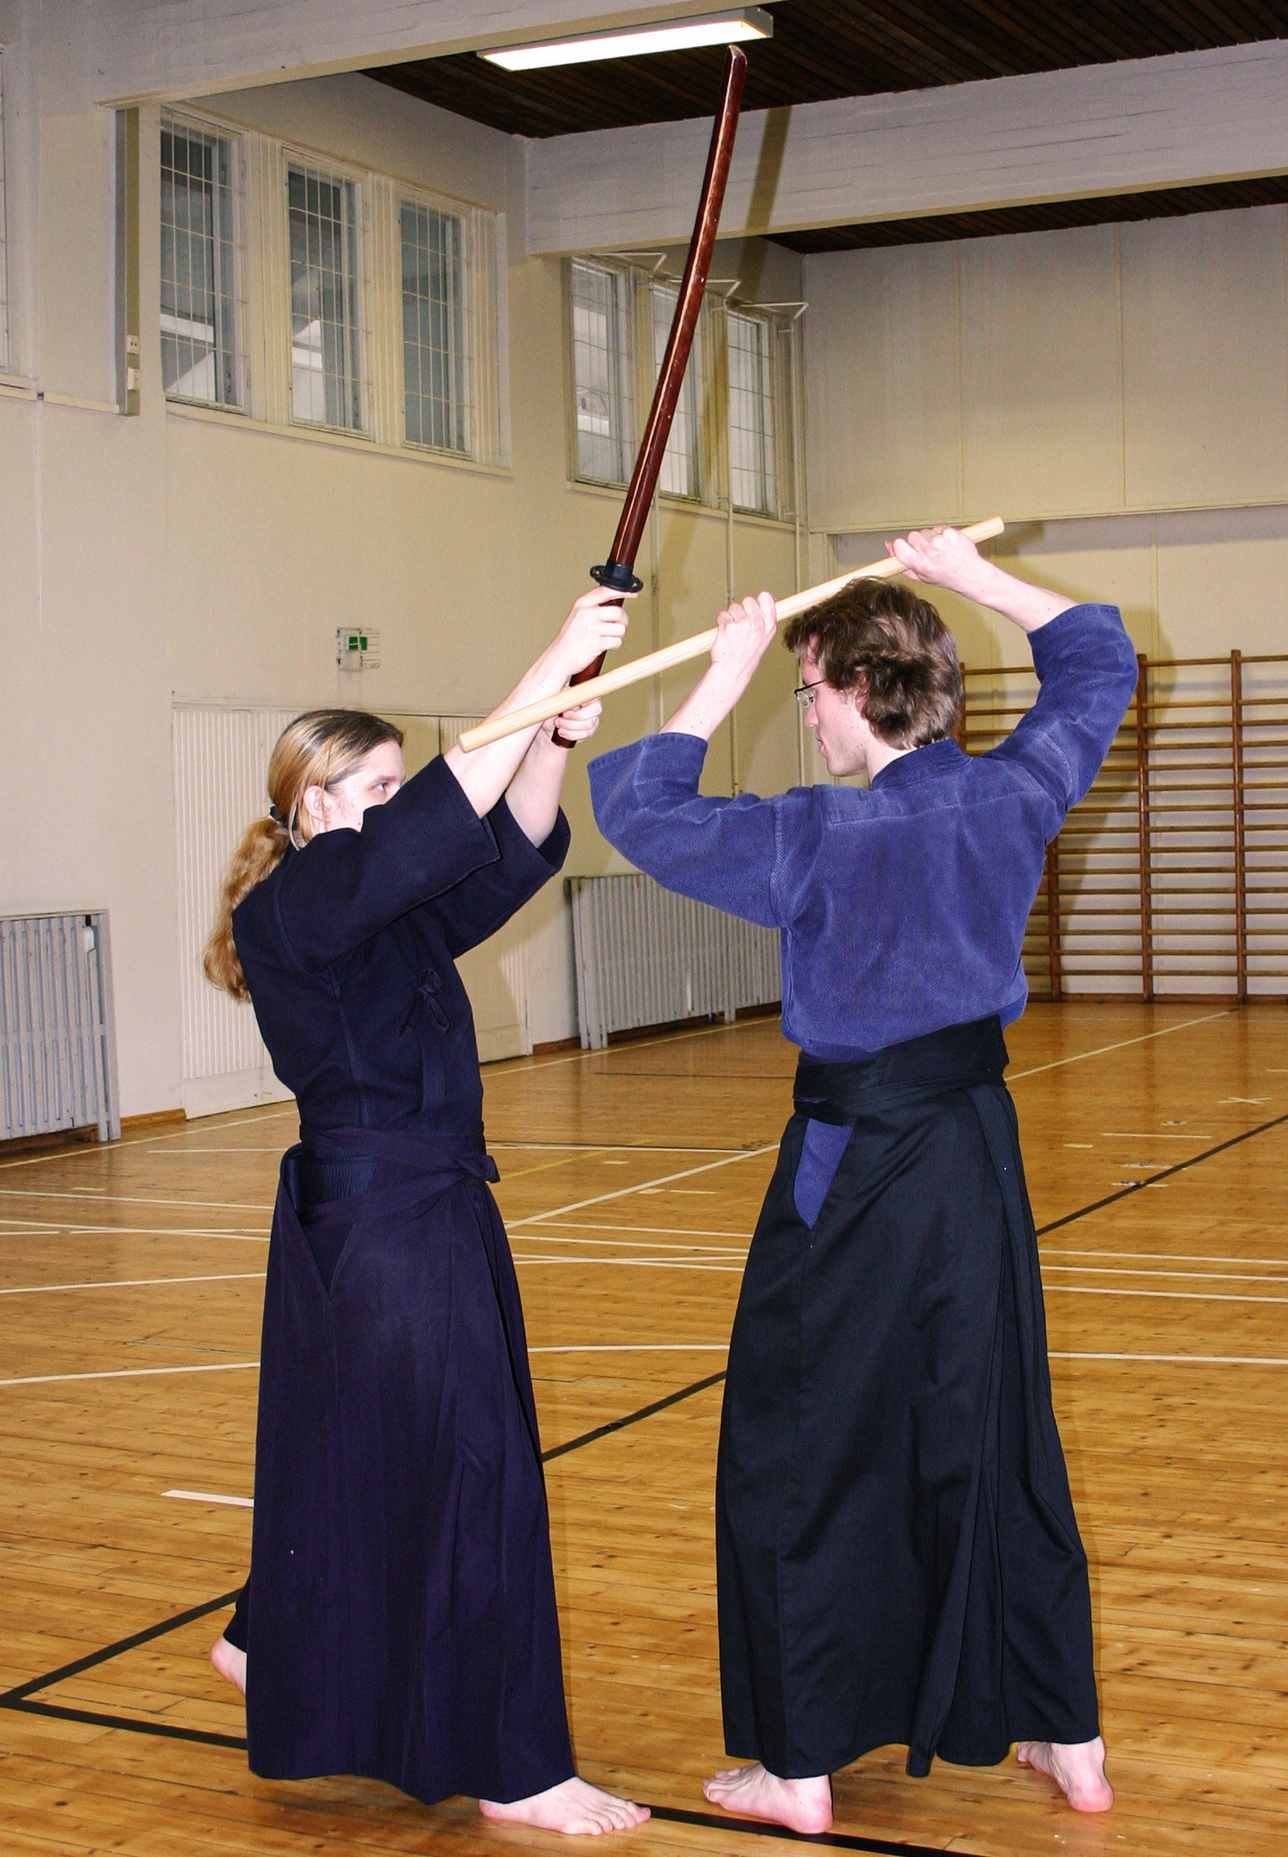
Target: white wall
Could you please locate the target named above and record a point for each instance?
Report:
(167, 556)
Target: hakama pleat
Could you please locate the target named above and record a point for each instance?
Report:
(897, 1551)
(401, 1612)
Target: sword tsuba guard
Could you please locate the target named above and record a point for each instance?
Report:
(618, 576)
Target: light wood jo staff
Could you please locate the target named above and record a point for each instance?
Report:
(510, 724)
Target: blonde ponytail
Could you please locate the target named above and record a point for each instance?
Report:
(317, 749)
(261, 850)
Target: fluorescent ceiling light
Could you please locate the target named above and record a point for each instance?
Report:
(668, 35)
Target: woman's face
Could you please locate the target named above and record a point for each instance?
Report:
(375, 779)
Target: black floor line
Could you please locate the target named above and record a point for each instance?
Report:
(12, 1697)
(19, 1699)
(205, 1736)
(1165, 1173)
(631, 1418)
(828, 1840)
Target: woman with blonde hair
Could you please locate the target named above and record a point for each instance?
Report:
(399, 1619)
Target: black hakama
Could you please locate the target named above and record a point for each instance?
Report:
(898, 1556)
(401, 1611)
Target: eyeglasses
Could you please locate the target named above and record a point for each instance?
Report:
(804, 693)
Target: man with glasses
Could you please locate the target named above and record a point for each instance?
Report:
(897, 1553)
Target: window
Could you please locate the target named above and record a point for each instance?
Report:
(601, 350)
(4, 287)
(437, 368)
(753, 476)
(328, 387)
(327, 301)
(681, 473)
(731, 442)
(200, 312)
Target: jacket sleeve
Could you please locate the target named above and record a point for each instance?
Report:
(344, 886)
(481, 903)
(718, 851)
(1087, 672)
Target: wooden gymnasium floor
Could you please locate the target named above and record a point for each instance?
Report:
(1157, 1141)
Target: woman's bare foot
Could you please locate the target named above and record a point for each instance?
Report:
(754, 1792)
(229, 1662)
(572, 1807)
(1078, 1770)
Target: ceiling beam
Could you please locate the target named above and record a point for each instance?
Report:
(1102, 129)
(164, 50)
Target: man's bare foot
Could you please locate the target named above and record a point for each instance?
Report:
(1078, 1770)
(572, 1807)
(229, 1662)
(754, 1792)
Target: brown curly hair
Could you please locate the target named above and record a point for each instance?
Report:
(880, 639)
(316, 750)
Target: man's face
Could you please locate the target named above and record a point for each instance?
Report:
(836, 719)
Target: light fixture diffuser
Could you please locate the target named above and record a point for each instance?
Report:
(667, 35)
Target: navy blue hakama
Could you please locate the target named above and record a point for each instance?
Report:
(401, 1612)
(897, 1551)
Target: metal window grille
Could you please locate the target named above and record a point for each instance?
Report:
(201, 318)
(328, 386)
(4, 285)
(601, 371)
(437, 365)
(753, 471)
(681, 473)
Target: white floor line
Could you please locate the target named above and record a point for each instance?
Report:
(1052, 1289)
(624, 1192)
(126, 1373)
(144, 1141)
(1075, 1289)
(39, 1228)
(629, 1238)
(629, 1231)
(1189, 1360)
(134, 1199)
(612, 1147)
(635, 1347)
(1166, 1257)
(131, 1283)
(656, 1263)
(1122, 1044)
(1191, 1276)
(201, 1495)
(678, 1347)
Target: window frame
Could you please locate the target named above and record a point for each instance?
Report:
(473, 286)
(361, 337)
(623, 355)
(171, 120)
(768, 391)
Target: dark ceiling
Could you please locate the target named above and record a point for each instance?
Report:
(826, 48)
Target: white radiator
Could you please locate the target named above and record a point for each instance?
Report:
(646, 957)
(57, 1037)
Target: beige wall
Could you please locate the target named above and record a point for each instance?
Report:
(168, 556)
(1118, 393)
